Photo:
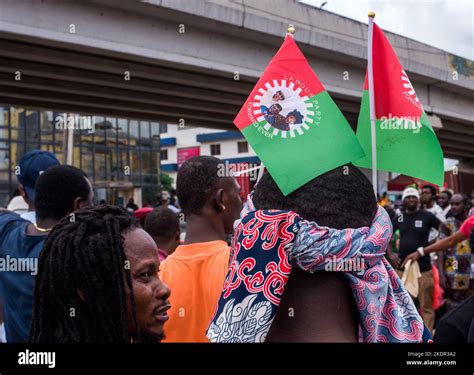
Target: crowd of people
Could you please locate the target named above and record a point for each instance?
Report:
(325, 263)
(433, 239)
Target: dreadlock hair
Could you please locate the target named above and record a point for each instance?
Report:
(80, 291)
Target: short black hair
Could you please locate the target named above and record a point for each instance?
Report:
(196, 182)
(340, 198)
(431, 188)
(57, 188)
(448, 193)
(162, 222)
(464, 197)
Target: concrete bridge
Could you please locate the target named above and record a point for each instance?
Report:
(195, 61)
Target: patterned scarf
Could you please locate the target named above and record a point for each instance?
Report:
(268, 243)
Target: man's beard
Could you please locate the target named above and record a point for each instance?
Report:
(149, 337)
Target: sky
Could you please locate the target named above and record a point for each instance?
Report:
(445, 24)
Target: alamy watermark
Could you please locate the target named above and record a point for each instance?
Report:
(12, 264)
(76, 122)
(406, 123)
(226, 169)
(37, 358)
(356, 265)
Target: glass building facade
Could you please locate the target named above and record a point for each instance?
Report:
(120, 156)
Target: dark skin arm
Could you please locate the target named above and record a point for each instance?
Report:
(393, 258)
(441, 245)
(445, 232)
(443, 281)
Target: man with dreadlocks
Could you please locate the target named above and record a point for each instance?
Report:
(59, 191)
(98, 282)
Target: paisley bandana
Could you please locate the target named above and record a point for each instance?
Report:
(268, 243)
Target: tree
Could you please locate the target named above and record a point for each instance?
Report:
(166, 182)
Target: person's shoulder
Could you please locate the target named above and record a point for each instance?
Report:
(464, 311)
(469, 221)
(467, 225)
(221, 252)
(9, 216)
(398, 214)
(458, 319)
(426, 214)
(174, 208)
(437, 208)
(449, 332)
(225, 252)
(164, 265)
(11, 224)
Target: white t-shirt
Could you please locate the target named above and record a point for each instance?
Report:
(438, 212)
(174, 209)
(446, 210)
(30, 216)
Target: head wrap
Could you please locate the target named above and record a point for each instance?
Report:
(268, 243)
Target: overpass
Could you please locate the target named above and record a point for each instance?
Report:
(195, 62)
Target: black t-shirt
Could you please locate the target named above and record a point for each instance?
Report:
(414, 232)
(457, 326)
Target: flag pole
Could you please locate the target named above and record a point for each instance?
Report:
(291, 30)
(372, 102)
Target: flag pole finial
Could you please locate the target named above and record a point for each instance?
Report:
(371, 14)
(291, 29)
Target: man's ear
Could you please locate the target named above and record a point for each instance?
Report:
(219, 200)
(23, 193)
(178, 236)
(78, 203)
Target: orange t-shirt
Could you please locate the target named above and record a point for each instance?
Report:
(195, 274)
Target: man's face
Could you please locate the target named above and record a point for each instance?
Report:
(232, 202)
(274, 109)
(426, 196)
(410, 202)
(443, 200)
(278, 96)
(151, 294)
(290, 120)
(457, 205)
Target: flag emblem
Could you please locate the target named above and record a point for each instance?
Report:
(405, 140)
(283, 108)
(283, 120)
(410, 94)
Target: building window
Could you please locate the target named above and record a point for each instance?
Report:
(164, 154)
(242, 147)
(216, 149)
(163, 128)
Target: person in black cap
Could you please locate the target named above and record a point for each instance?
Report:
(31, 165)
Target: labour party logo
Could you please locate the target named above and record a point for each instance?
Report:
(283, 108)
(410, 94)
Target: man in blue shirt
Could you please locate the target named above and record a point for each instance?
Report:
(59, 191)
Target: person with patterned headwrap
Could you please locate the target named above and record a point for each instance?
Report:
(310, 267)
